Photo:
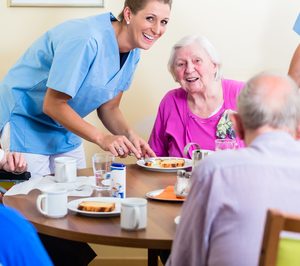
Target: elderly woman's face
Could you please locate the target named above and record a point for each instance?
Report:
(193, 68)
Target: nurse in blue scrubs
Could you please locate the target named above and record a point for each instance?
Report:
(75, 68)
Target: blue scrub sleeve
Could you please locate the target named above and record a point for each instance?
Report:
(297, 25)
(71, 63)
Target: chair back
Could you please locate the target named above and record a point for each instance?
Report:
(274, 251)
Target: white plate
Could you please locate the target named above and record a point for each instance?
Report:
(73, 205)
(177, 220)
(188, 163)
(153, 194)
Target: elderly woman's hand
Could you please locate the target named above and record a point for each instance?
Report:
(14, 162)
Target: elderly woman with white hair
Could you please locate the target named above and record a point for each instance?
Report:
(198, 110)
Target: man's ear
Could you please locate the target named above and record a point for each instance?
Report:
(297, 137)
(238, 125)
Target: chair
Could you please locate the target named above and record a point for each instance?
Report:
(7, 180)
(280, 251)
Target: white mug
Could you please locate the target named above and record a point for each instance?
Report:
(53, 203)
(65, 169)
(134, 213)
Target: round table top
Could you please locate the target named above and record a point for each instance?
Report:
(106, 230)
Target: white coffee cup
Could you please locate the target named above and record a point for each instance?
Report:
(65, 169)
(134, 213)
(53, 203)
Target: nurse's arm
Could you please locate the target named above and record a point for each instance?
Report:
(294, 70)
(56, 106)
(112, 118)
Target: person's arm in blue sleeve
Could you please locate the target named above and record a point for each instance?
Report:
(118, 125)
(56, 106)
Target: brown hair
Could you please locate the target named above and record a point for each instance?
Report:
(137, 5)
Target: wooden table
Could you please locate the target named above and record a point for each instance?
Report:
(106, 231)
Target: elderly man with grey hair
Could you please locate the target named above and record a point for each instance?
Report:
(223, 219)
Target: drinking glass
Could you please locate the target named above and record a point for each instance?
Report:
(225, 144)
(101, 167)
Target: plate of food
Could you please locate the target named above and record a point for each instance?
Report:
(154, 195)
(96, 206)
(165, 164)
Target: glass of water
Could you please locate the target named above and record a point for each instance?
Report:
(225, 144)
(101, 166)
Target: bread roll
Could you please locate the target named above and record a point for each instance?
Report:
(153, 163)
(170, 163)
(96, 206)
(165, 163)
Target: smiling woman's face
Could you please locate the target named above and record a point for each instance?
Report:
(148, 24)
(193, 68)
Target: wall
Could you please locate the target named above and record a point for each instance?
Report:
(250, 36)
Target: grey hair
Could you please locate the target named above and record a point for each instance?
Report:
(203, 43)
(257, 108)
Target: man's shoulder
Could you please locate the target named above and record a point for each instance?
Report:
(271, 150)
(227, 158)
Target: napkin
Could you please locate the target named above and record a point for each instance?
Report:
(47, 182)
(167, 194)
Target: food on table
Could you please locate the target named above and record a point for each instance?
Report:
(152, 162)
(165, 163)
(96, 206)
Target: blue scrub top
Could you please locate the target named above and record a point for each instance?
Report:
(80, 58)
(297, 25)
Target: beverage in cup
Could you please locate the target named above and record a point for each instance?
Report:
(101, 167)
(134, 214)
(65, 169)
(225, 144)
(53, 203)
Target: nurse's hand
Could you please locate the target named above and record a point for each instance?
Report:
(141, 145)
(15, 162)
(119, 145)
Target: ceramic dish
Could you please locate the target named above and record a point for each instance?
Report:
(187, 163)
(73, 205)
(153, 194)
